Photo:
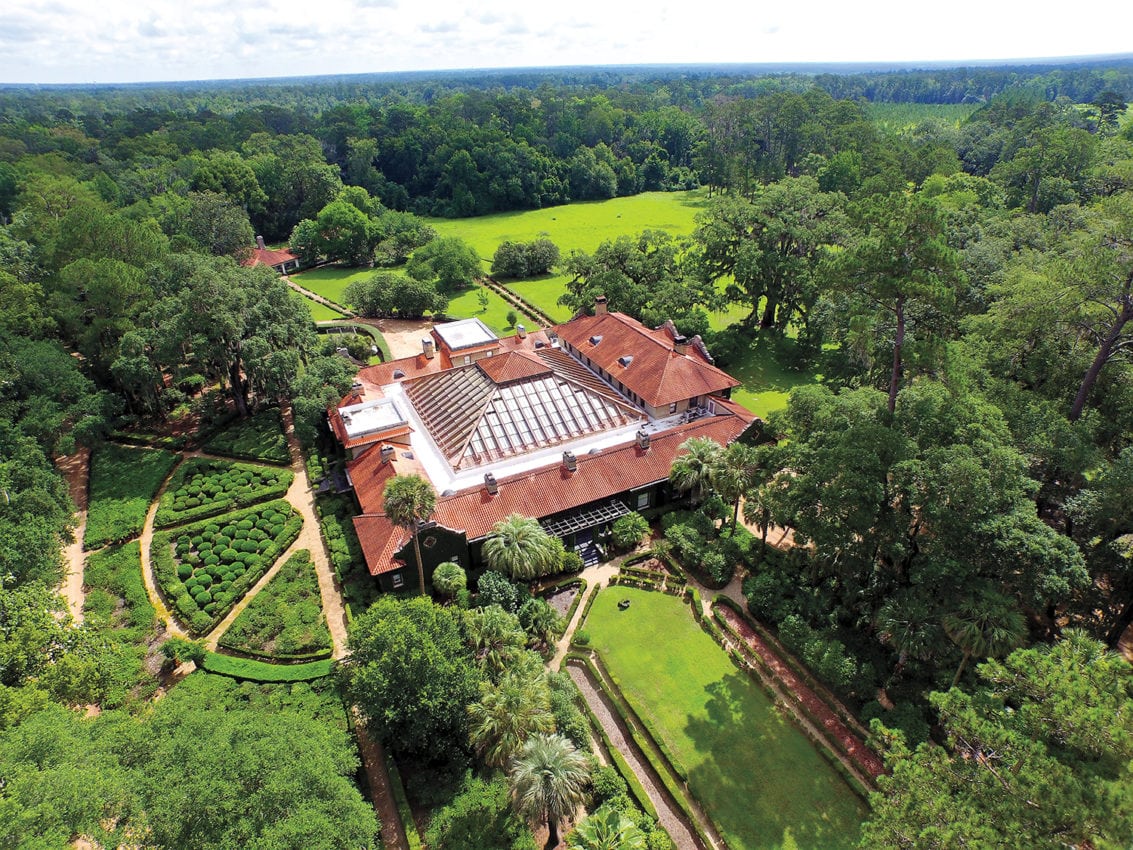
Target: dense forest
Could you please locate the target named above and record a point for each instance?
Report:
(960, 478)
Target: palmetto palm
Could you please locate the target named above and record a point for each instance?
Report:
(908, 624)
(692, 472)
(507, 715)
(606, 829)
(987, 625)
(495, 637)
(409, 501)
(521, 548)
(548, 781)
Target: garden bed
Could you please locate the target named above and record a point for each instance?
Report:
(204, 487)
(285, 620)
(259, 437)
(209, 566)
(123, 483)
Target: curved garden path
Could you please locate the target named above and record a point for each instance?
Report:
(145, 541)
(76, 471)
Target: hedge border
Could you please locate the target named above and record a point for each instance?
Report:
(646, 741)
(813, 682)
(259, 671)
(401, 800)
(567, 582)
(229, 504)
(165, 568)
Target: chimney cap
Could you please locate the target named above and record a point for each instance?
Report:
(260, 243)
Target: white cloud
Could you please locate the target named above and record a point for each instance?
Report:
(123, 40)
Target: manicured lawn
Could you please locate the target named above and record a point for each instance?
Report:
(583, 225)
(754, 772)
(544, 292)
(285, 619)
(766, 381)
(319, 311)
(259, 437)
(331, 282)
(123, 482)
(466, 305)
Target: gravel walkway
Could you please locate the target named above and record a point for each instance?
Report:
(667, 814)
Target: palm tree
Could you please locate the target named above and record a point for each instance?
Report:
(495, 637)
(449, 579)
(692, 472)
(736, 472)
(548, 781)
(988, 625)
(521, 548)
(606, 829)
(409, 501)
(507, 715)
(907, 624)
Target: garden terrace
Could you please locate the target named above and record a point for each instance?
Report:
(209, 566)
(203, 487)
(755, 774)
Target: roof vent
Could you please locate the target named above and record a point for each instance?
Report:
(398, 374)
(570, 462)
(491, 483)
(625, 360)
(449, 492)
(407, 455)
(643, 440)
(597, 338)
(540, 344)
(387, 452)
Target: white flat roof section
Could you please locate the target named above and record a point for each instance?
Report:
(465, 333)
(371, 416)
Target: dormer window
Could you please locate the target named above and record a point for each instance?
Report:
(625, 360)
(594, 340)
(398, 374)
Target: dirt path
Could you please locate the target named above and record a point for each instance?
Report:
(302, 498)
(374, 761)
(145, 541)
(76, 471)
(667, 814)
(864, 759)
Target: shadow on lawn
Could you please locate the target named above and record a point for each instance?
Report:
(761, 777)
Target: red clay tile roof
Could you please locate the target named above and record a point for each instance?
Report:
(541, 492)
(656, 372)
(513, 366)
(268, 257)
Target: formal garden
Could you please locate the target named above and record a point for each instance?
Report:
(123, 483)
(757, 776)
(202, 487)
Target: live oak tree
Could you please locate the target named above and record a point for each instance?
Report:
(412, 675)
(449, 261)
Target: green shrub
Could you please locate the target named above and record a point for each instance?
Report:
(123, 483)
(259, 437)
(259, 671)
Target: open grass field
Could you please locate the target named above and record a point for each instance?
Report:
(754, 772)
(766, 381)
(582, 226)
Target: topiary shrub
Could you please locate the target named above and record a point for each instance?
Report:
(184, 571)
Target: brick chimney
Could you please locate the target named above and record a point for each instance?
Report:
(680, 344)
(570, 462)
(387, 452)
(260, 243)
(491, 484)
(643, 441)
(600, 308)
(429, 347)
(521, 331)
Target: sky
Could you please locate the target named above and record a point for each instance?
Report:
(107, 41)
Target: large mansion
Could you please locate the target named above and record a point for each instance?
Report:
(576, 425)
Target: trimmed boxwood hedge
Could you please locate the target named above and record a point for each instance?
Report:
(192, 598)
(260, 671)
(203, 487)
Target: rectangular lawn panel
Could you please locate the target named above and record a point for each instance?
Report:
(755, 773)
(331, 282)
(466, 305)
(285, 619)
(320, 312)
(203, 487)
(259, 437)
(123, 482)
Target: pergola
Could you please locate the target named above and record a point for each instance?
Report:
(584, 518)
